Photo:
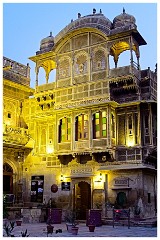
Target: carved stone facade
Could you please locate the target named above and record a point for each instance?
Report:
(93, 126)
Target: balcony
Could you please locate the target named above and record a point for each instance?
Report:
(16, 72)
(15, 135)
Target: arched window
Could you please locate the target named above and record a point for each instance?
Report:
(100, 124)
(64, 130)
(99, 60)
(121, 199)
(42, 148)
(64, 68)
(43, 137)
(81, 127)
(7, 169)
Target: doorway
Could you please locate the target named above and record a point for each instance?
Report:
(82, 199)
(121, 199)
(7, 179)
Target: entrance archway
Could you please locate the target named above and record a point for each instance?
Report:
(121, 199)
(82, 199)
(7, 179)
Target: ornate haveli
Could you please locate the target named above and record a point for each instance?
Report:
(92, 130)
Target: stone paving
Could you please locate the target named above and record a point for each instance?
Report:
(40, 230)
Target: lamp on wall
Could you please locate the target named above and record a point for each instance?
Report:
(98, 183)
(20, 155)
(62, 178)
(50, 148)
(99, 178)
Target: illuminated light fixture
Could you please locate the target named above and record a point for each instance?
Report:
(100, 178)
(130, 143)
(62, 178)
(50, 149)
(20, 155)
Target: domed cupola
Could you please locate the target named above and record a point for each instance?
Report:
(47, 43)
(124, 19)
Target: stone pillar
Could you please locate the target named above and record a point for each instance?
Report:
(90, 67)
(107, 65)
(130, 44)
(28, 71)
(138, 63)
(72, 70)
(37, 71)
(90, 128)
(47, 77)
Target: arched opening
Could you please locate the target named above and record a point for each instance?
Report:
(121, 199)
(52, 76)
(125, 58)
(7, 179)
(82, 199)
(121, 55)
(41, 76)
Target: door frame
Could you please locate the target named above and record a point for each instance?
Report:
(76, 181)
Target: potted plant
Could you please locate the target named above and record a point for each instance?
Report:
(70, 219)
(19, 218)
(91, 225)
(5, 211)
(75, 230)
(49, 228)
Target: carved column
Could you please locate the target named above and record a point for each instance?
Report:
(90, 132)
(109, 137)
(72, 69)
(28, 71)
(73, 133)
(151, 125)
(57, 66)
(47, 77)
(90, 66)
(37, 72)
(107, 65)
(130, 44)
(138, 62)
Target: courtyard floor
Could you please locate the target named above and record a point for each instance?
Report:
(40, 230)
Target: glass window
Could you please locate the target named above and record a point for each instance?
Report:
(81, 125)
(65, 130)
(100, 124)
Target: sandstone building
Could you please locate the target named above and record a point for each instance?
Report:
(92, 130)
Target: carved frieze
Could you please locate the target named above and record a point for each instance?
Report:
(64, 146)
(15, 135)
(82, 103)
(82, 145)
(121, 181)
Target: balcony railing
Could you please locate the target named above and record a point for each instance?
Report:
(15, 135)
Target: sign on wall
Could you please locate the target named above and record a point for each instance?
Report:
(65, 186)
(37, 184)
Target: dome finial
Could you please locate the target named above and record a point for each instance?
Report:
(50, 34)
(94, 11)
(123, 10)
